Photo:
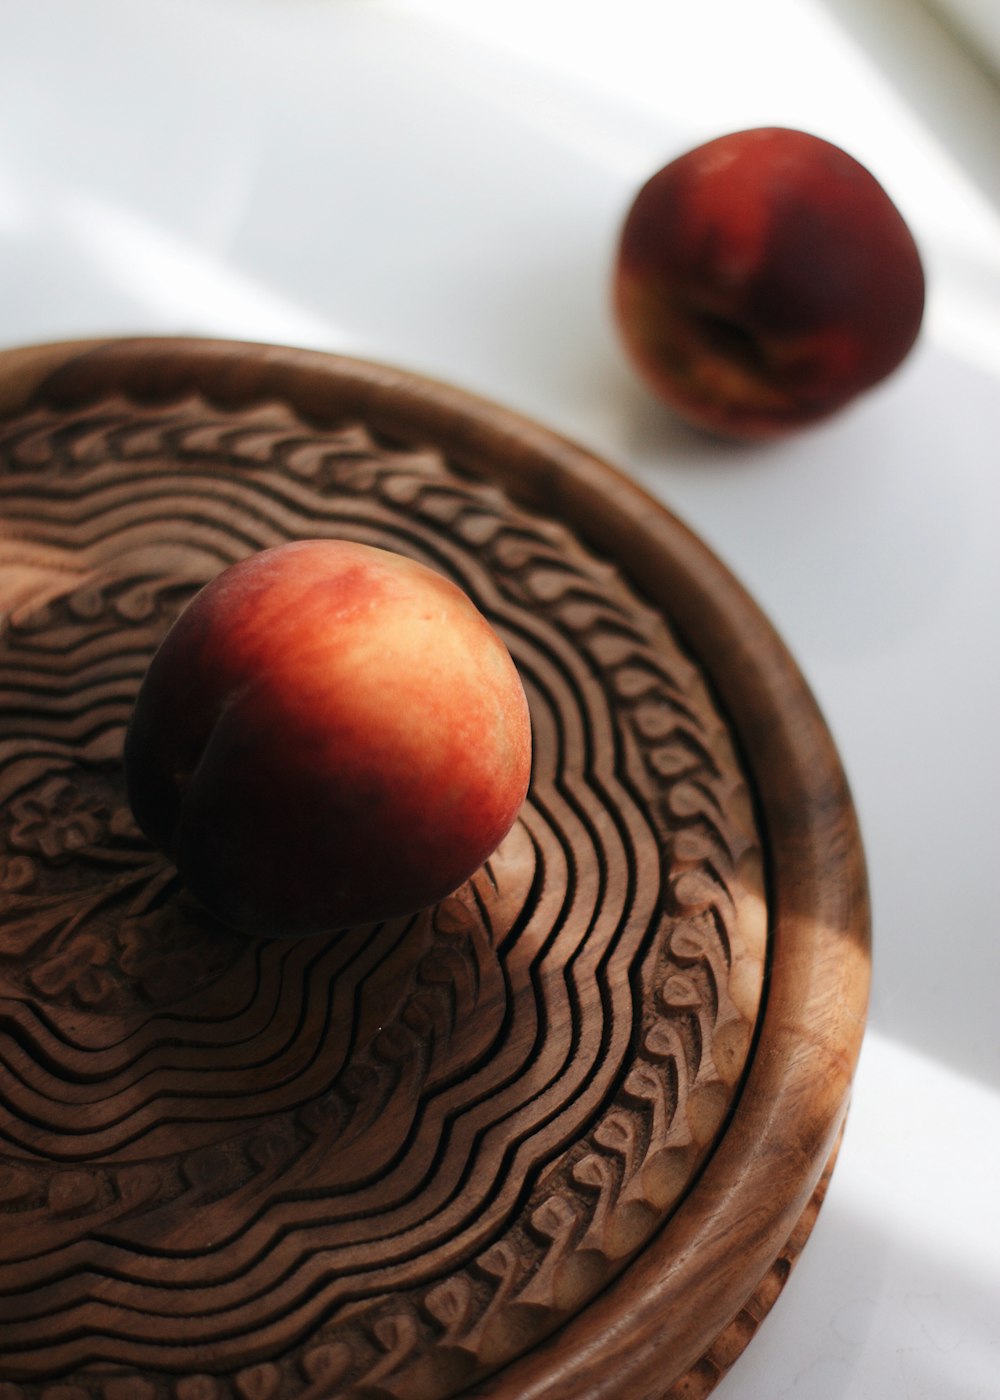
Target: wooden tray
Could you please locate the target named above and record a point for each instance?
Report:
(562, 1136)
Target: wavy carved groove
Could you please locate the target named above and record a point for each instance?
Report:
(382, 1164)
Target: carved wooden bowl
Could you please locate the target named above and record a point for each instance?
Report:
(560, 1137)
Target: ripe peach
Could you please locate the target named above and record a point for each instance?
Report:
(330, 734)
(763, 280)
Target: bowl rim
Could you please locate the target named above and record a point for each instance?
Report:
(678, 1297)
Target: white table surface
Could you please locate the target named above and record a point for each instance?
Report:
(439, 185)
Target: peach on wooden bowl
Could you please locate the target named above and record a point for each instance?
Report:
(330, 734)
(563, 1134)
(764, 280)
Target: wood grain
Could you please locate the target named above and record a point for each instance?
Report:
(561, 1136)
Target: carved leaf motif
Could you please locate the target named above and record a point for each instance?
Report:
(478, 529)
(324, 1117)
(655, 719)
(499, 1262)
(632, 682)
(128, 1388)
(694, 891)
(690, 942)
(679, 993)
(402, 490)
(393, 1044)
(453, 917)
(359, 1082)
(258, 1382)
(16, 1186)
(549, 585)
(672, 760)
(208, 1170)
(396, 1335)
(617, 1133)
(450, 1304)
(686, 801)
(593, 1173)
(17, 873)
(643, 1083)
(354, 476)
(72, 1191)
(86, 603)
(660, 1043)
(327, 1363)
(268, 1150)
(443, 967)
(200, 1387)
(421, 1015)
(554, 1217)
(138, 1185)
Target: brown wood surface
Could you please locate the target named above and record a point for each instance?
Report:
(562, 1136)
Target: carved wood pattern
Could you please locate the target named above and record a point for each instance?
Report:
(415, 1149)
(544, 1139)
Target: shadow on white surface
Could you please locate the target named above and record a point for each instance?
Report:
(896, 1292)
(897, 1322)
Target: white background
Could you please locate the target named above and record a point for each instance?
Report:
(439, 185)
